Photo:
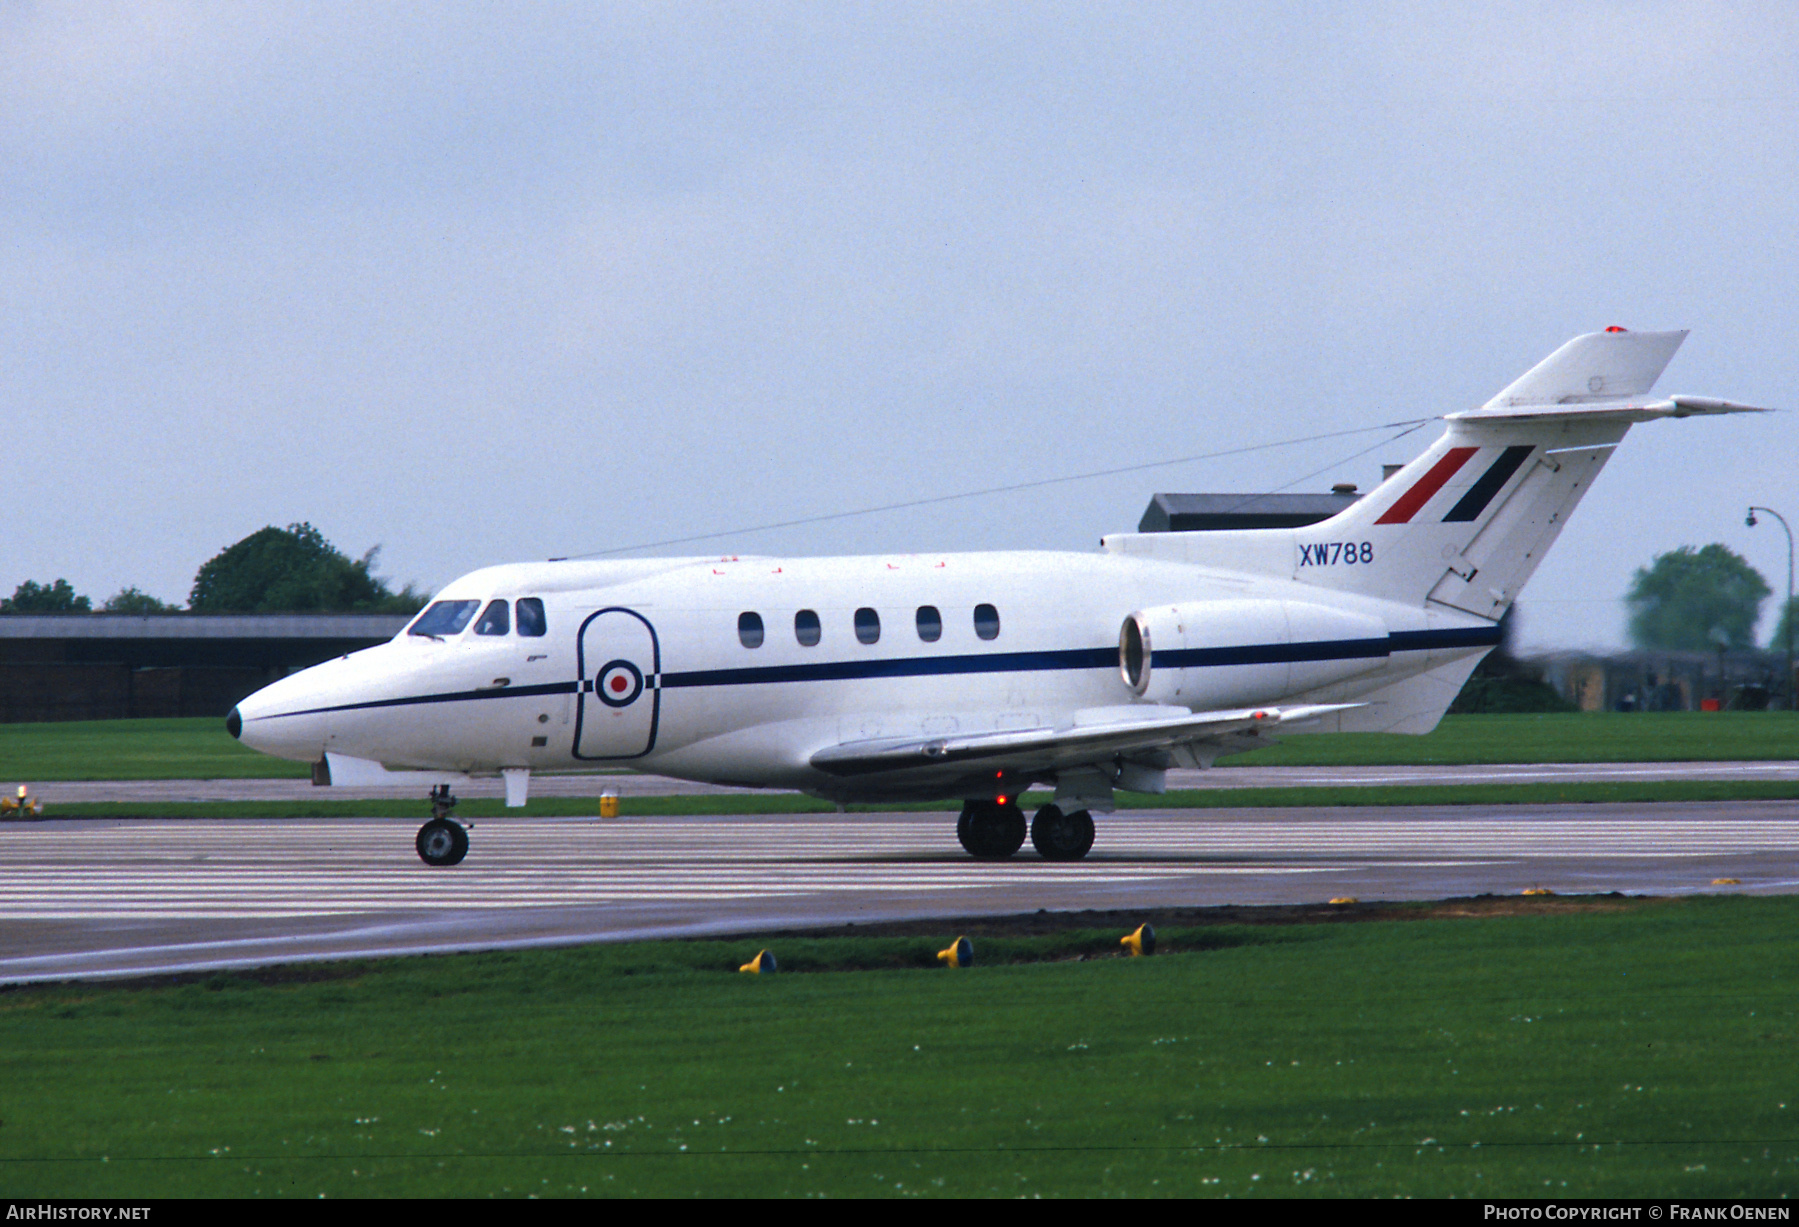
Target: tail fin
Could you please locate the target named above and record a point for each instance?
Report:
(1601, 366)
(1468, 522)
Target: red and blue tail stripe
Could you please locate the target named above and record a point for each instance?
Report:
(1407, 505)
(1471, 504)
(1481, 492)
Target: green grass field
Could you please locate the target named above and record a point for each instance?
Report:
(201, 749)
(1623, 1048)
(193, 749)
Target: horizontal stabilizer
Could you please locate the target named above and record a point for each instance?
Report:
(1616, 411)
(1043, 749)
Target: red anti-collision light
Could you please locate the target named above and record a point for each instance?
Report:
(1615, 328)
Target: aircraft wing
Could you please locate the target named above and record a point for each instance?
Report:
(1096, 737)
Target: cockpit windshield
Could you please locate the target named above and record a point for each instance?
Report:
(444, 618)
(495, 621)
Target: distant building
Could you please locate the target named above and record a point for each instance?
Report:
(1199, 513)
(1665, 681)
(116, 666)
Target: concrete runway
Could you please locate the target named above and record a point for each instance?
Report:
(106, 898)
(629, 784)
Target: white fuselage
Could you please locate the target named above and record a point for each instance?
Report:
(647, 664)
(972, 674)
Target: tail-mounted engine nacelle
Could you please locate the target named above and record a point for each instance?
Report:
(1137, 640)
(1240, 653)
(1151, 647)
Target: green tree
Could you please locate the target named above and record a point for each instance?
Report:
(1699, 600)
(131, 601)
(1779, 642)
(32, 597)
(294, 569)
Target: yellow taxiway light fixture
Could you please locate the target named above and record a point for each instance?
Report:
(608, 804)
(1140, 941)
(764, 961)
(959, 954)
(1343, 900)
(25, 806)
(1538, 890)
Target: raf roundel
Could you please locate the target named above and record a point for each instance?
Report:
(619, 683)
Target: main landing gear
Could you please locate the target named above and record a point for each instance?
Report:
(441, 841)
(994, 830)
(1062, 837)
(991, 830)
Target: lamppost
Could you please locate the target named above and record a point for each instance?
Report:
(1787, 614)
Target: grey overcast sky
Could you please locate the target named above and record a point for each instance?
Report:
(481, 282)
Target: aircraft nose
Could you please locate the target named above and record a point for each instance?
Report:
(276, 720)
(297, 716)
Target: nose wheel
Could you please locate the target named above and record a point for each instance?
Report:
(442, 842)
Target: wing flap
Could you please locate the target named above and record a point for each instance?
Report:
(1045, 748)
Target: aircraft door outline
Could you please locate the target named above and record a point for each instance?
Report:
(623, 723)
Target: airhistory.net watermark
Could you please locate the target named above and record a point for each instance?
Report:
(52, 1212)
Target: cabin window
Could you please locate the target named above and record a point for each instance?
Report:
(444, 618)
(930, 623)
(495, 620)
(868, 625)
(986, 621)
(749, 629)
(531, 622)
(806, 628)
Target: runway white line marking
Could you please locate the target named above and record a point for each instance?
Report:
(330, 868)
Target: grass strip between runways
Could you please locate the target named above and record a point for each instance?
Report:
(1601, 1048)
(199, 748)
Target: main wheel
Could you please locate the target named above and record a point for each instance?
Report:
(991, 831)
(965, 829)
(442, 842)
(1085, 822)
(1009, 830)
(1062, 837)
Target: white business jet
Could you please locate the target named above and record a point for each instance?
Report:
(974, 676)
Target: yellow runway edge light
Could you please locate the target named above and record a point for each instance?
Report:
(25, 807)
(764, 961)
(959, 954)
(1140, 941)
(608, 805)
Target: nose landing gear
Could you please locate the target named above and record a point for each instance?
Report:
(442, 842)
